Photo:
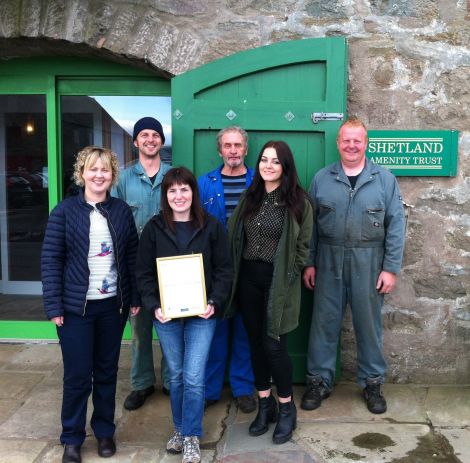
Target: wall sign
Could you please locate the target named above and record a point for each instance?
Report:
(415, 152)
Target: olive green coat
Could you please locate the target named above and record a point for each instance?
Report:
(291, 255)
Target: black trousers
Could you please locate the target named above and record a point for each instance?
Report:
(269, 356)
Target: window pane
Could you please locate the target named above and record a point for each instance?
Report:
(24, 194)
(108, 121)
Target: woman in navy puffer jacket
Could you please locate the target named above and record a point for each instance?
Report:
(87, 265)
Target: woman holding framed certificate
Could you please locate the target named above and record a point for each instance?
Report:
(269, 234)
(184, 276)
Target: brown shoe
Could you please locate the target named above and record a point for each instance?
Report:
(246, 403)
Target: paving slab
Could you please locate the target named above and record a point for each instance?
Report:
(459, 439)
(17, 385)
(37, 418)
(237, 440)
(30, 358)
(346, 404)
(214, 419)
(363, 442)
(340, 431)
(89, 454)
(7, 408)
(21, 450)
(150, 425)
(124, 454)
(8, 351)
(448, 405)
(281, 456)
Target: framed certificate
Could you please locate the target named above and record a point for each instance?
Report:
(182, 286)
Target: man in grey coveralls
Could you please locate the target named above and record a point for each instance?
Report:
(356, 253)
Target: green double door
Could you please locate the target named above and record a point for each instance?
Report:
(293, 91)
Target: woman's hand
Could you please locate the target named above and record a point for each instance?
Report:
(135, 311)
(209, 312)
(59, 321)
(159, 316)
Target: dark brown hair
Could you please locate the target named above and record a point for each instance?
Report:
(181, 176)
(292, 194)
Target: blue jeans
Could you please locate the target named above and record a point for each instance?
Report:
(185, 343)
(90, 347)
(142, 366)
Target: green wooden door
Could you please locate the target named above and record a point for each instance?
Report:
(272, 93)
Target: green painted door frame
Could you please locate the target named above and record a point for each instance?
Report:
(56, 77)
(272, 92)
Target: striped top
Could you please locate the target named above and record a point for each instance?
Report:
(233, 186)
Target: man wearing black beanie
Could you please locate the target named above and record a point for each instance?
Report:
(140, 186)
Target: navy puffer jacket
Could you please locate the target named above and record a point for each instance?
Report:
(64, 260)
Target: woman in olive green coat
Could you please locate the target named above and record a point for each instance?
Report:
(270, 233)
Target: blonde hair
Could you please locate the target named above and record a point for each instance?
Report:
(354, 122)
(87, 158)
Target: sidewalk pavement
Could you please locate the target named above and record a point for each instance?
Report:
(423, 424)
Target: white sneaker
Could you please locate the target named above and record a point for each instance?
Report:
(175, 444)
(191, 450)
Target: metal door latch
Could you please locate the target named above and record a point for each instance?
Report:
(326, 117)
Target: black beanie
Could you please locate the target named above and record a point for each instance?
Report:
(148, 123)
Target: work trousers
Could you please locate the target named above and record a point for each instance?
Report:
(347, 276)
(142, 365)
(230, 342)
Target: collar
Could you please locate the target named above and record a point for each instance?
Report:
(105, 204)
(217, 173)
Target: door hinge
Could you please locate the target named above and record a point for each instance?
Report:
(326, 117)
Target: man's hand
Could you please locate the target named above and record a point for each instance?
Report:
(309, 277)
(386, 282)
(159, 316)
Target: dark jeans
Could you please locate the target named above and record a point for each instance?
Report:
(90, 350)
(269, 356)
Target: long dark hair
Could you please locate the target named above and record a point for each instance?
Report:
(181, 176)
(292, 194)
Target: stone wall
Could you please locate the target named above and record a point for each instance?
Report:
(409, 68)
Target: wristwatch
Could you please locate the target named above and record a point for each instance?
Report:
(211, 302)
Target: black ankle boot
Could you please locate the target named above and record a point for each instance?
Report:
(267, 413)
(286, 422)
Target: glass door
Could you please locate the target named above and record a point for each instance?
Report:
(107, 121)
(23, 198)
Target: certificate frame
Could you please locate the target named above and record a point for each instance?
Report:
(182, 285)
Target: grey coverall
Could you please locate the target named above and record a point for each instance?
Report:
(358, 233)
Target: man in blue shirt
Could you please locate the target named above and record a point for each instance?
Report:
(140, 186)
(220, 191)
